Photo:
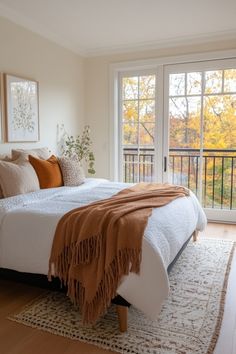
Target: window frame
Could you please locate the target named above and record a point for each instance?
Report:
(158, 65)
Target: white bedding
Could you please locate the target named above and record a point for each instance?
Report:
(28, 222)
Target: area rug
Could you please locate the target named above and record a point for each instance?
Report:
(189, 322)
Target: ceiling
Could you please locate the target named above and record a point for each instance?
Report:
(97, 27)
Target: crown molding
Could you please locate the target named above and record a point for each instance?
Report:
(165, 43)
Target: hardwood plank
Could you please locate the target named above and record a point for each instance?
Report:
(215, 230)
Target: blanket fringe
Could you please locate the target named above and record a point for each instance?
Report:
(75, 254)
(126, 261)
(86, 250)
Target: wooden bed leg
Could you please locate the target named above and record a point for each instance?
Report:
(122, 312)
(195, 235)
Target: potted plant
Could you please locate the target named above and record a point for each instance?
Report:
(78, 147)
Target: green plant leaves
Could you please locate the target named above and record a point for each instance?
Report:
(79, 147)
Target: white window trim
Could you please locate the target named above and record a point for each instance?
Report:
(154, 64)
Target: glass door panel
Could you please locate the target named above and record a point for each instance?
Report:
(138, 111)
(219, 141)
(184, 129)
(200, 133)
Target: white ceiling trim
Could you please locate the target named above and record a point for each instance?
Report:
(167, 43)
(36, 27)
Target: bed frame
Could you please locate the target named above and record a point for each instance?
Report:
(42, 281)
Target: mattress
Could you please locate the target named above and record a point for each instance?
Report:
(28, 222)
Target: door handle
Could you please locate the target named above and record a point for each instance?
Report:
(165, 163)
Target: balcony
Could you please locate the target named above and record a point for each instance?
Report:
(218, 172)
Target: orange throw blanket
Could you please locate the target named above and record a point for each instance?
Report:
(96, 245)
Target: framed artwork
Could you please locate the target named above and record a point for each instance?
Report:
(1, 107)
(21, 109)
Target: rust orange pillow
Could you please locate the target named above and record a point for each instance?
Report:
(48, 172)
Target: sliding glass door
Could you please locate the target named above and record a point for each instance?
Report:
(177, 124)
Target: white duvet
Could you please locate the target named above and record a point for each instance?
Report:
(28, 222)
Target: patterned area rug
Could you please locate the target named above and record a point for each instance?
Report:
(189, 322)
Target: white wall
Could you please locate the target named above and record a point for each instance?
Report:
(72, 90)
(60, 74)
(97, 93)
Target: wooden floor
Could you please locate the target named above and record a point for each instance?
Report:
(19, 339)
(215, 230)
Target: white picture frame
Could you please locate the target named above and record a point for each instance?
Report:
(1, 107)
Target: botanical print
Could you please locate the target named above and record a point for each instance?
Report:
(23, 114)
(22, 109)
(1, 106)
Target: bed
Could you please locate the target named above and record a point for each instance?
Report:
(28, 222)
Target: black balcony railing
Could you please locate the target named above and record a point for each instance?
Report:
(218, 172)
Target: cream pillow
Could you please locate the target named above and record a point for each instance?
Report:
(41, 153)
(4, 158)
(17, 177)
(72, 171)
(1, 194)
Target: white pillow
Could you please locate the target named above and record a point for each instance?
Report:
(5, 157)
(41, 153)
(17, 177)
